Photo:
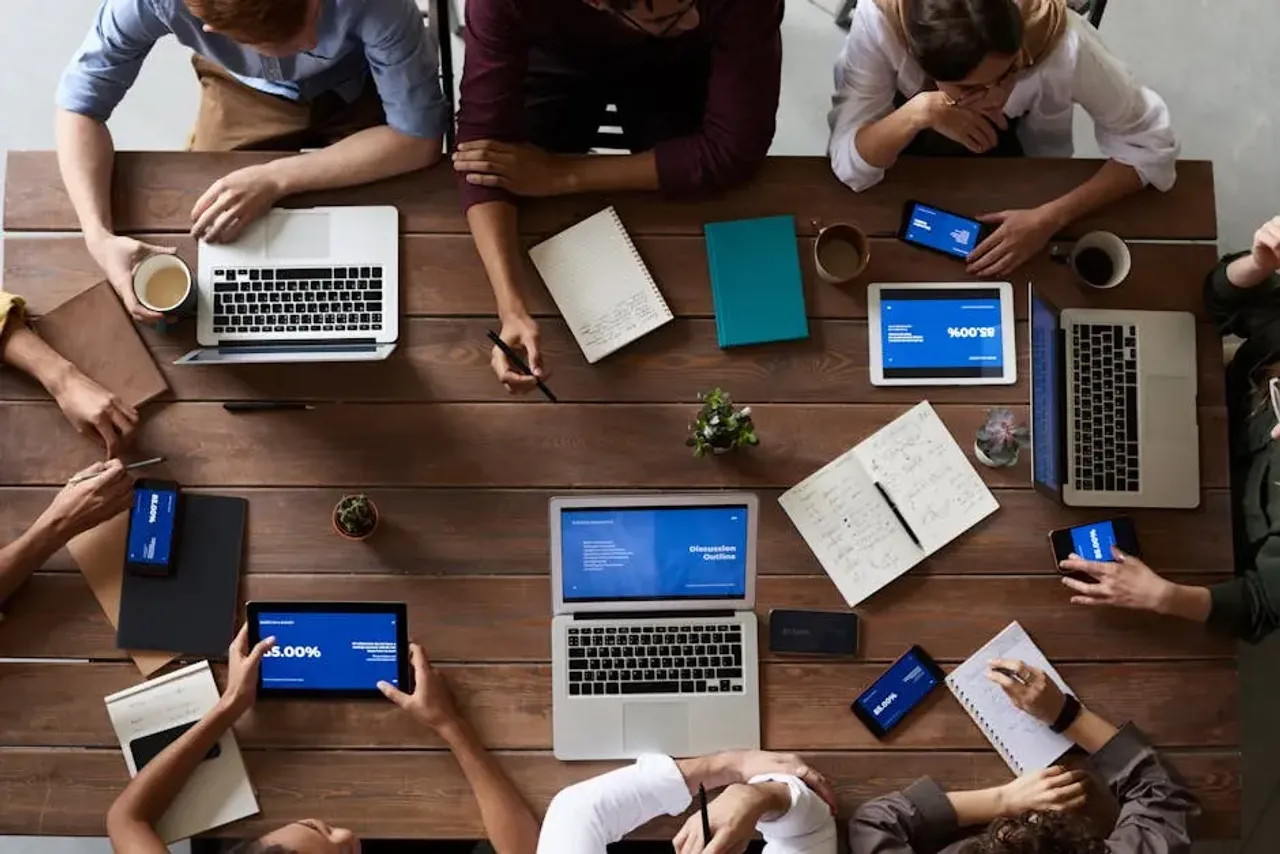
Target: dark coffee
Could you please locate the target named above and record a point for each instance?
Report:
(1095, 266)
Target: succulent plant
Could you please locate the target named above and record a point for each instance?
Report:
(355, 516)
(719, 426)
(1001, 438)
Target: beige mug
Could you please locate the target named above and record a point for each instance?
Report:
(164, 284)
(841, 253)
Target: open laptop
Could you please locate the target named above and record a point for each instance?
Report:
(1113, 407)
(653, 645)
(307, 285)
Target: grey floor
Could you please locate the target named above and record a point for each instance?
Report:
(1214, 61)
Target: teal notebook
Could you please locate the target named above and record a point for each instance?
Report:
(755, 281)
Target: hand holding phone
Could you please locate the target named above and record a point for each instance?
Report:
(1093, 542)
(1126, 583)
(930, 227)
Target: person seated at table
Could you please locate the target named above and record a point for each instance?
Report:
(508, 821)
(786, 800)
(1035, 814)
(1242, 297)
(356, 79)
(695, 83)
(994, 78)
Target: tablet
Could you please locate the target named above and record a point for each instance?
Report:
(331, 649)
(940, 333)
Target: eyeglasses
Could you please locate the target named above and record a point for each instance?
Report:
(973, 94)
(672, 20)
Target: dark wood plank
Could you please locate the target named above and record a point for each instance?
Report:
(55, 616)
(514, 444)
(423, 794)
(156, 191)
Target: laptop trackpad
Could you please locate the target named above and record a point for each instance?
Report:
(656, 728)
(1165, 411)
(298, 235)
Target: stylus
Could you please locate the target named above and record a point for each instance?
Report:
(898, 513)
(80, 478)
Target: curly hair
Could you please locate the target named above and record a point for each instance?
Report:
(1038, 833)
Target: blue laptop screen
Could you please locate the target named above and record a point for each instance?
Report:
(624, 553)
(1046, 398)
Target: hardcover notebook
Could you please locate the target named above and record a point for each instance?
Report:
(600, 284)
(1025, 743)
(755, 281)
(850, 524)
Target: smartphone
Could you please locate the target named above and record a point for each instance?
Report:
(897, 691)
(813, 632)
(1094, 541)
(153, 528)
(930, 227)
(148, 747)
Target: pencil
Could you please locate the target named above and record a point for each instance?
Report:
(80, 478)
(519, 363)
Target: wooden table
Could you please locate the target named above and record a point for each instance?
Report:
(462, 473)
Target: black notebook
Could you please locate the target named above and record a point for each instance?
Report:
(192, 610)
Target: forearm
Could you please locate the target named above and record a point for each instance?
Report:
(370, 155)
(1090, 731)
(508, 821)
(594, 173)
(713, 771)
(23, 349)
(1109, 184)
(979, 806)
(22, 557)
(881, 142)
(1244, 272)
(493, 226)
(86, 156)
(1186, 601)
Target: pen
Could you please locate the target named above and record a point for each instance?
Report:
(706, 821)
(80, 478)
(898, 513)
(1011, 674)
(265, 406)
(519, 364)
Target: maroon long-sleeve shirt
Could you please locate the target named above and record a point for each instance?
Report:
(742, 93)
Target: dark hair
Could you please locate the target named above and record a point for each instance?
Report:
(253, 21)
(257, 846)
(1038, 833)
(626, 5)
(950, 38)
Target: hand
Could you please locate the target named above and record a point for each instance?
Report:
(1266, 246)
(242, 671)
(92, 409)
(1021, 234)
(234, 201)
(117, 256)
(519, 333)
(732, 816)
(743, 765)
(1049, 789)
(431, 701)
(970, 128)
(81, 506)
(523, 169)
(1126, 583)
(1037, 694)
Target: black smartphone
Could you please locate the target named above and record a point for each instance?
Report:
(153, 528)
(930, 227)
(897, 691)
(1094, 540)
(148, 747)
(813, 632)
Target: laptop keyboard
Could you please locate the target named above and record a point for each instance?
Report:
(297, 299)
(1106, 407)
(652, 658)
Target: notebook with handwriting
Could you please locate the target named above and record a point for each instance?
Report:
(845, 511)
(600, 284)
(1025, 743)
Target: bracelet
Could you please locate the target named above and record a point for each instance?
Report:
(1070, 711)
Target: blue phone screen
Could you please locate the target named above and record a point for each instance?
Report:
(946, 232)
(1094, 542)
(151, 524)
(898, 691)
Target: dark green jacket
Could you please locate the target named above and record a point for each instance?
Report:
(1249, 605)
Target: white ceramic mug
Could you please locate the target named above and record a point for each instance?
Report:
(1090, 271)
(170, 274)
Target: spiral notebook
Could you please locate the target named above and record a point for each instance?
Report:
(600, 284)
(1025, 743)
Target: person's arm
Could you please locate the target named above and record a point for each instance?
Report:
(1155, 808)
(921, 819)
(1240, 292)
(798, 821)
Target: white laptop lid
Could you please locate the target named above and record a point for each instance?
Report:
(664, 552)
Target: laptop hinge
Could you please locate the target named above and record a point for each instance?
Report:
(651, 615)
(314, 344)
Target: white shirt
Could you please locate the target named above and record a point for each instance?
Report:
(1131, 122)
(588, 816)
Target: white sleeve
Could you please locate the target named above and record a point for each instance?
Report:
(1131, 122)
(806, 828)
(588, 816)
(866, 82)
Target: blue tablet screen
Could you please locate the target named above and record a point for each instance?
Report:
(948, 334)
(318, 651)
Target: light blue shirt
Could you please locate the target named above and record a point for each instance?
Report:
(385, 38)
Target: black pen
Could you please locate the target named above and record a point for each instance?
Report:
(266, 406)
(519, 364)
(1016, 677)
(706, 820)
(898, 513)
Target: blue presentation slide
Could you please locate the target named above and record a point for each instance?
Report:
(1094, 542)
(947, 232)
(898, 691)
(151, 525)
(949, 333)
(654, 553)
(1046, 430)
(317, 651)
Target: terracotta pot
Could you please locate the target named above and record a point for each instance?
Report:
(337, 529)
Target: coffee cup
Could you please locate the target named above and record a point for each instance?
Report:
(841, 253)
(1100, 260)
(163, 284)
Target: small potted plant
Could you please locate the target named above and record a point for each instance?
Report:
(720, 427)
(355, 517)
(1000, 439)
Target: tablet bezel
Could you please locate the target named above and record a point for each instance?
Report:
(1009, 362)
(403, 665)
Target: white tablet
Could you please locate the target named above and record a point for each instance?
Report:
(942, 333)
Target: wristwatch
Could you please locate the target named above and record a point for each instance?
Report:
(1070, 711)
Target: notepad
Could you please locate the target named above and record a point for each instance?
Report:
(218, 791)
(853, 531)
(600, 284)
(1025, 743)
(755, 281)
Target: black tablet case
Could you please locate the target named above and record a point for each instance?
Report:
(193, 609)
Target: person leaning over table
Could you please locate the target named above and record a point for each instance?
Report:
(1035, 814)
(508, 821)
(356, 79)
(1243, 296)
(994, 78)
(696, 86)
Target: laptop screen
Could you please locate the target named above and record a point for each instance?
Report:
(1046, 397)
(642, 553)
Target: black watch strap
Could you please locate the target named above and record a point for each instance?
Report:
(1070, 711)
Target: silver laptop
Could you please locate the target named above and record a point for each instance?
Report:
(653, 645)
(1113, 407)
(307, 285)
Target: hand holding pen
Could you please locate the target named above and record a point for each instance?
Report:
(523, 373)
